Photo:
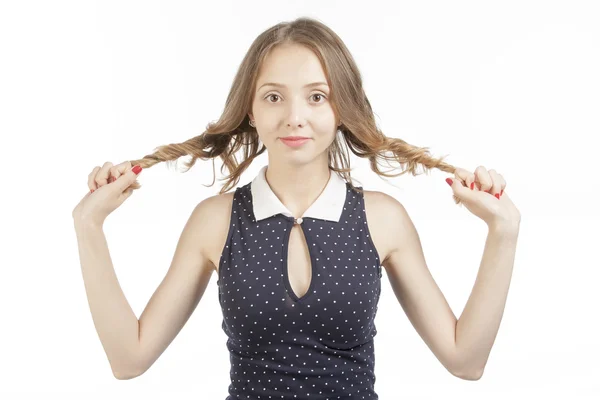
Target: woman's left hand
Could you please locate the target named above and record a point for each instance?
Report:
(483, 194)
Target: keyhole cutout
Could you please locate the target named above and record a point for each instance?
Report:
(299, 265)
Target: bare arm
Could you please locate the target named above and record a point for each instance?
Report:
(462, 346)
(115, 322)
(132, 346)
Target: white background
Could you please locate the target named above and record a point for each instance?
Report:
(509, 85)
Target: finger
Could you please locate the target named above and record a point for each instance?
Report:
(464, 176)
(496, 182)
(126, 194)
(483, 179)
(128, 178)
(102, 175)
(467, 176)
(502, 184)
(460, 191)
(120, 169)
(91, 179)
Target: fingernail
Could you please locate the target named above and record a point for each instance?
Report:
(472, 185)
(92, 191)
(497, 196)
(137, 169)
(449, 181)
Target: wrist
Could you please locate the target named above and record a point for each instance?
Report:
(504, 227)
(87, 224)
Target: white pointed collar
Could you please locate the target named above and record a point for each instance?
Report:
(328, 206)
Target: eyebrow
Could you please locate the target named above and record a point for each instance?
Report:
(283, 86)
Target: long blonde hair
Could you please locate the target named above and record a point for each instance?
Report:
(232, 132)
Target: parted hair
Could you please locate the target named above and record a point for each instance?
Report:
(358, 130)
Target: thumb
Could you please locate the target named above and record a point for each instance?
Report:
(457, 187)
(125, 195)
(129, 177)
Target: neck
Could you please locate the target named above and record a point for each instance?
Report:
(297, 187)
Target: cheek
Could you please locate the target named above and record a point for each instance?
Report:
(324, 138)
(325, 127)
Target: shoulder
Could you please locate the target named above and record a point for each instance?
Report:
(211, 218)
(383, 203)
(388, 220)
(213, 207)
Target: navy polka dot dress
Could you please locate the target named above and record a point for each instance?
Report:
(319, 346)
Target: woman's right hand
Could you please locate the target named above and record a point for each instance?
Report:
(109, 187)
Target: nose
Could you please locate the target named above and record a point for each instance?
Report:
(295, 123)
(297, 114)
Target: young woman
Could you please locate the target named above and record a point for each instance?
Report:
(298, 251)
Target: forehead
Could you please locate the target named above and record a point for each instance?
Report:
(292, 65)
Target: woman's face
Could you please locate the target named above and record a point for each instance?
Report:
(298, 105)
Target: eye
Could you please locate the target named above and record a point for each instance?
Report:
(271, 95)
(319, 94)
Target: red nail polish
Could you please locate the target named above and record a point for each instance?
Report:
(472, 185)
(497, 196)
(137, 169)
(449, 181)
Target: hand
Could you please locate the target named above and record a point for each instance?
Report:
(487, 198)
(109, 187)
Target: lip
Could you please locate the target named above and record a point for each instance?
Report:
(295, 141)
(294, 138)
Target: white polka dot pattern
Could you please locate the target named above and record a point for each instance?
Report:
(319, 346)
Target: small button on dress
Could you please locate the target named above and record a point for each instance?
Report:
(319, 345)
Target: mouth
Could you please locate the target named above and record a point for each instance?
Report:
(295, 141)
(292, 138)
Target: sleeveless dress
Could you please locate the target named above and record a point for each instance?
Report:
(319, 346)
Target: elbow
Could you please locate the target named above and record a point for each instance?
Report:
(463, 369)
(474, 375)
(125, 375)
(127, 367)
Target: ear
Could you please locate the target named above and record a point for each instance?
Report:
(251, 116)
